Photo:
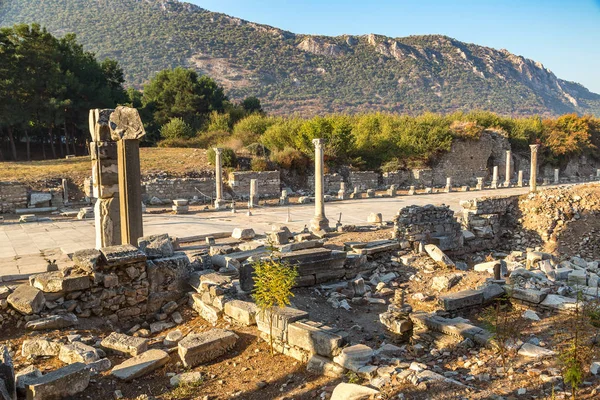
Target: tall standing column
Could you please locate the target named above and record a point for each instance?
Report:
(495, 177)
(556, 176)
(508, 168)
(218, 178)
(105, 179)
(319, 222)
(253, 200)
(127, 128)
(448, 185)
(533, 173)
(520, 179)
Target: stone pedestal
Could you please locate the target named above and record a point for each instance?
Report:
(556, 176)
(520, 179)
(319, 222)
(284, 200)
(495, 178)
(219, 203)
(533, 173)
(412, 191)
(479, 183)
(342, 192)
(508, 168)
(448, 185)
(253, 201)
(392, 191)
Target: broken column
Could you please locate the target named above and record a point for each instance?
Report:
(533, 173)
(556, 176)
(495, 178)
(520, 179)
(392, 191)
(103, 152)
(342, 192)
(284, 200)
(448, 185)
(218, 178)
(508, 168)
(598, 174)
(319, 222)
(412, 191)
(65, 189)
(127, 128)
(253, 201)
(479, 183)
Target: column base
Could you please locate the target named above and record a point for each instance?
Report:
(220, 204)
(319, 224)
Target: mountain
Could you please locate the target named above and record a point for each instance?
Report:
(307, 74)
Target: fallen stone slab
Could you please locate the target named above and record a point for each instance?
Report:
(40, 348)
(156, 246)
(208, 312)
(532, 351)
(354, 357)
(577, 277)
(458, 327)
(140, 365)
(439, 256)
(186, 377)
(196, 349)
(462, 299)
(125, 344)
(86, 259)
(7, 373)
(58, 384)
(351, 391)
(78, 352)
(282, 318)
(98, 366)
(115, 256)
(243, 233)
(315, 337)
(27, 299)
(324, 366)
(558, 302)
(52, 322)
(243, 312)
(529, 295)
(55, 282)
(445, 282)
(22, 376)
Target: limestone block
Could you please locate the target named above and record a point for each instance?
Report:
(58, 384)
(558, 302)
(351, 391)
(529, 295)
(39, 348)
(86, 259)
(532, 351)
(439, 256)
(315, 337)
(7, 373)
(54, 282)
(462, 299)
(125, 344)
(140, 365)
(241, 311)
(156, 246)
(115, 256)
(375, 218)
(243, 234)
(27, 299)
(52, 322)
(445, 282)
(78, 352)
(125, 124)
(324, 366)
(354, 357)
(577, 277)
(197, 349)
(206, 311)
(282, 317)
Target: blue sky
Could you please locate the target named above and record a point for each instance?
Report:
(563, 35)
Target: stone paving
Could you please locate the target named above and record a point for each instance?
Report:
(25, 247)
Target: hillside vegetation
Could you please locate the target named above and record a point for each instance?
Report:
(307, 74)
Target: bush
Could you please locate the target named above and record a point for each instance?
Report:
(186, 143)
(250, 129)
(228, 157)
(259, 165)
(257, 149)
(291, 159)
(176, 128)
(218, 122)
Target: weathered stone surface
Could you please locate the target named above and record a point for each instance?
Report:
(375, 218)
(52, 322)
(125, 344)
(22, 376)
(100, 365)
(196, 349)
(243, 234)
(186, 377)
(324, 366)
(78, 352)
(462, 299)
(140, 365)
(156, 246)
(39, 347)
(532, 351)
(445, 282)
(315, 337)
(115, 256)
(558, 302)
(350, 391)
(577, 277)
(206, 311)
(173, 338)
(354, 357)
(241, 311)
(529, 295)
(58, 384)
(125, 124)
(7, 373)
(4, 395)
(26, 299)
(282, 317)
(86, 259)
(439, 256)
(54, 282)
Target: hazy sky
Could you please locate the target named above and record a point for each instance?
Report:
(564, 35)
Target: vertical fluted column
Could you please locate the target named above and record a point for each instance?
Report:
(508, 168)
(319, 222)
(533, 173)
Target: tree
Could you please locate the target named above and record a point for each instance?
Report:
(252, 105)
(273, 283)
(176, 128)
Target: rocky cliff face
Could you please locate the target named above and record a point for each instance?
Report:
(308, 74)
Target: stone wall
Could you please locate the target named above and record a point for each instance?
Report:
(331, 183)
(13, 195)
(268, 182)
(178, 188)
(428, 225)
(363, 180)
(408, 177)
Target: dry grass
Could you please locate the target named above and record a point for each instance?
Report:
(176, 162)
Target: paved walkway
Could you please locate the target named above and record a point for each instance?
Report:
(24, 247)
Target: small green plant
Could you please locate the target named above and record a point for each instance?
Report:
(184, 390)
(574, 357)
(273, 282)
(353, 377)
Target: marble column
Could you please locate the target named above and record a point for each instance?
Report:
(556, 176)
(533, 173)
(105, 178)
(520, 179)
(479, 183)
(65, 189)
(392, 191)
(508, 168)
(598, 173)
(495, 177)
(448, 185)
(253, 201)
(319, 222)
(218, 178)
(342, 192)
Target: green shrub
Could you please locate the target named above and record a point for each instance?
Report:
(250, 129)
(176, 128)
(228, 157)
(259, 165)
(291, 159)
(218, 122)
(257, 149)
